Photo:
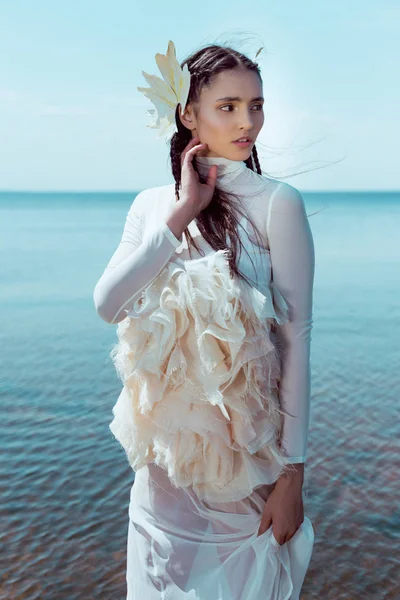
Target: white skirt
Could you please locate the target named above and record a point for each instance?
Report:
(182, 548)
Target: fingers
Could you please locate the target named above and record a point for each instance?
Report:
(265, 524)
(187, 158)
(187, 147)
(282, 536)
(190, 150)
(279, 538)
(212, 176)
(190, 145)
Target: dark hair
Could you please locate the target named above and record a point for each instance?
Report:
(221, 218)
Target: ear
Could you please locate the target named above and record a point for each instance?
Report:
(188, 118)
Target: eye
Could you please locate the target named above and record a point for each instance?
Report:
(258, 106)
(226, 106)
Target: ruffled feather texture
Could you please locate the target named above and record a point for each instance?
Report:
(201, 378)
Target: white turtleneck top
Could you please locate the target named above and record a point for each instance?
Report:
(147, 245)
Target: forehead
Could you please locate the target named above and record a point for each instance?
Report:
(236, 82)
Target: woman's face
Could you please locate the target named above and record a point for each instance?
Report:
(231, 108)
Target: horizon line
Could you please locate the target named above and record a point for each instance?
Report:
(319, 191)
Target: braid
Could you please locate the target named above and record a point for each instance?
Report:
(253, 162)
(256, 160)
(249, 163)
(178, 144)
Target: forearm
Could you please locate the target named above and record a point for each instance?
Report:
(148, 241)
(120, 285)
(295, 385)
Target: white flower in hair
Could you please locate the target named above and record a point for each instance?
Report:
(168, 92)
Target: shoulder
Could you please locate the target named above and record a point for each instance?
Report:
(151, 198)
(284, 197)
(273, 191)
(288, 193)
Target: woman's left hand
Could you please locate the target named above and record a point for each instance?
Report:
(284, 507)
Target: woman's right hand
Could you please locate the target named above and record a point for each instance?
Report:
(195, 194)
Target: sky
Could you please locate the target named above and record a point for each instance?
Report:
(72, 119)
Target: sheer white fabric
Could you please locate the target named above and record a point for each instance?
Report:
(183, 549)
(174, 532)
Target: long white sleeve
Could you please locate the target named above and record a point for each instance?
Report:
(293, 264)
(138, 259)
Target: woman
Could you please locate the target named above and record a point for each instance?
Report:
(214, 331)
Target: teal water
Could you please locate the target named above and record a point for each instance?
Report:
(64, 479)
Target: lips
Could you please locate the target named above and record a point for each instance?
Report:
(247, 138)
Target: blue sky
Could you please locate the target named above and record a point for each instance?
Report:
(71, 117)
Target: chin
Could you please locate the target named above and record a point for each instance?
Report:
(243, 153)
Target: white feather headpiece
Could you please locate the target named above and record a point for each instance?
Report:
(168, 92)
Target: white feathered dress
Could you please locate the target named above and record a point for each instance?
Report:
(216, 393)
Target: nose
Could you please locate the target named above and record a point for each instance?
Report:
(246, 120)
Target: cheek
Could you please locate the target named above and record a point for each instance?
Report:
(214, 124)
(216, 120)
